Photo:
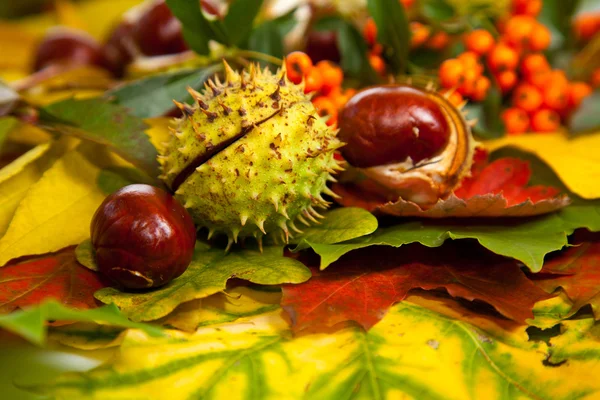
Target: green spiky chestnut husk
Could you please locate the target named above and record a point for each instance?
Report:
(251, 157)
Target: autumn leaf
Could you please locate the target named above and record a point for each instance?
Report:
(208, 274)
(569, 157)
(57, 276)
(32, 323)
(65, 196)
(427, 347)
(577, 271)
(525, 240)
(497, 189)
(362, 286)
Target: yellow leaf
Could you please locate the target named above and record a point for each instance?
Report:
(159, 131)
(67, 14)
(28, 134)
(425, 348)
(18, 48)
(57, 210)
(575, 160)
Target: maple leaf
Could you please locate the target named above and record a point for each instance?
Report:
(363, 286)
(56, 275)
(577, 271)
(497, 189)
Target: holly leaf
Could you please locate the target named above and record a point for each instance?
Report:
(53, 276)
(496, 189)
(102, 122)
(208, 274)
(577, 271)
(362, 286)
(32, 323)
(569, 157)
(424, 348)
(162, 89)
(339, 225)
(65, 196)
(392, 31)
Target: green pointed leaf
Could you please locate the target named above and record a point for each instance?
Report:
(100, 121)
(437, 10)
(392, 31)
(338, 226)
(162, 89)
(239, 19)
(208, 274)
(266, 38)
(31, 323)
(527, 241)
(586, 118)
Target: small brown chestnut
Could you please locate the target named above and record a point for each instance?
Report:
(322, 45)
(142, 237)
(70, 47)
(120, 48)
(157, 32)
(386, 124)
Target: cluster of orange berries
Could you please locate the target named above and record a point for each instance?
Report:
(324, 80)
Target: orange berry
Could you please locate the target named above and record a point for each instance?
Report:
(451, 73)
(515, 121)
(577, 92)
(479, 41)
(377, 63)
(438, 41)
(419, 34)
(377, 49)
(467, 88)
(332, 75)
(298, 64)
(482, 85)
(453, 97)
(471, 61)
(518, 30)
(556, 96)
(407, 3)
(539, 79)
(527, 97)
(533, 63)
(503, 57)
(558, 76)
(540, 38)
(506, 80)
(326, 108)
(596, 78)
(545, 121)
(313, 81)
(340, 97)
(370, 32)
(586, 26)
(526, 7)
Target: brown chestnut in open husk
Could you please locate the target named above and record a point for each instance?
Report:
(142, 237)
(405, 142)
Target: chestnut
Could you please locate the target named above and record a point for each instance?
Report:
(120, 48)
(70, 47)
(157, 32)
(142, 237)
(386, 124)
(322, 45)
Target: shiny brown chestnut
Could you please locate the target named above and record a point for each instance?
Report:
(157, 32)
(322, 45)
(120, 47)
(142, 237)
(69, 47)
(386, 124)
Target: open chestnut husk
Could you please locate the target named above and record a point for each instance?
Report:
(142, 237)
(407, 143)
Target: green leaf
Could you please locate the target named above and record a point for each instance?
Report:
(6, 125)
(392, 31)
(114, 178)
(109, 124)
(527, 241)
(487, 113)
(208, 274)
(557, 16)
(239, 19)
(353, 49)
(586, 118)
(197, 29)
(437, 10)
(267, 38)
(85, 255)
(161, 89)
(31, 323)
(338, 225)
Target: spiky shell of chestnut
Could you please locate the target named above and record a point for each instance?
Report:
(407, 143)
(251, 156)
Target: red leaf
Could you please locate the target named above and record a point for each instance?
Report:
(497, 189)
(56, 275)
(577, 272)
(362, 286)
